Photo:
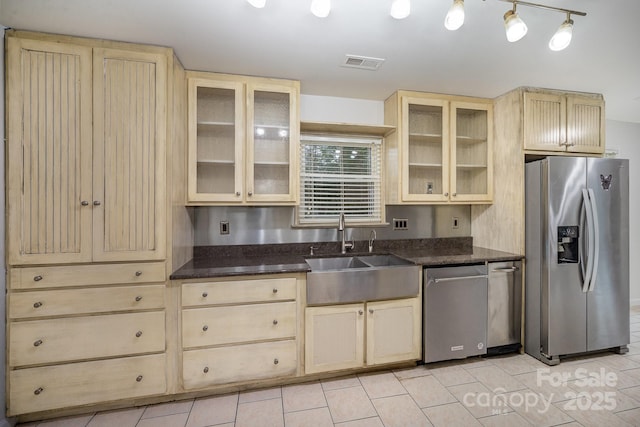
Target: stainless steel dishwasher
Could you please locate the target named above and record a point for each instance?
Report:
(455, 312)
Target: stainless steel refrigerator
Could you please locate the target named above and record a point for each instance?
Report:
(577, 256)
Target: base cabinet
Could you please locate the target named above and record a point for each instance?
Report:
(337, 336)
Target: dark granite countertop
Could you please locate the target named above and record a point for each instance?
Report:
(220, 261)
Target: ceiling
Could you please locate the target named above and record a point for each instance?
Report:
(285, 40)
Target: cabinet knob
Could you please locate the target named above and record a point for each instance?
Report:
(275, 290)
(138, 273)
(139, 378)
(205, 328)
(206, 370)
(37, 343)
(138, 298)
(84, 203)
(360, 312)
(446, 194)
(238, 193)
(38, 391)
(250, 193)
(454, 194)
(276, 361)
(138, 334)
(37, 278)
(275, 321)
(96, 203)
(371, 311)
(204, 295)
(37, 304)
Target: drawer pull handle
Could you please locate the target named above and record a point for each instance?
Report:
(37, 343)
(276, 361)
(275, 290)
(138, 273)
(37, 278)
(138, 298)
(37, 304)
(360, 312)
(138, 334)
(139, 378)
(275, 321)
(84, 203)
(206, 370)
(204, 295)
(205, 328)
(96, 203)
(38, 391)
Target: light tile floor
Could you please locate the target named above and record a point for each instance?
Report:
(510, 390)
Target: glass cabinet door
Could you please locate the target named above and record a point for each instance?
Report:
(471, 136)
(216, 134)
(425, 150)
(272, 136)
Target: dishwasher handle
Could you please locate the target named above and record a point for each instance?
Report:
(451, 279)
(505, 270)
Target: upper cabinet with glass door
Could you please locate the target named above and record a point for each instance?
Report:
(243, 137)
(441, 152)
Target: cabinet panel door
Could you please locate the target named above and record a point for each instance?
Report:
(545, 122)
(425, 150)
(216, 141)
(471, 152)
(393, 331)
(585, 124)
(334, 338)
(272, 141)
(49, 152)
(129, 155)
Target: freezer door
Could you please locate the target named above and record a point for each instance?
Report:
(608, 300)
(563, 305)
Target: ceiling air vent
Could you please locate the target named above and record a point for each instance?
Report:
(362, 62)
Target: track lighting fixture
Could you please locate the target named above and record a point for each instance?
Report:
(400, 9)
(257, 3)
(455, 16)
(514, 26)
(562, 37)
(321, 8)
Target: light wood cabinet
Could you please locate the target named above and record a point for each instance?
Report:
(441, 151)
(563, 122)
(335, 337)
(85, 165)
(241, 329)
(243, 140)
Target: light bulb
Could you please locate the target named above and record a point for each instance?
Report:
(514, 26)
(455, 16)
(562, 37)
(400, 9)
(257, 3)
(321, 8)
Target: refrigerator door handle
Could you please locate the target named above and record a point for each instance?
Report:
(587, 274)
(596, 238)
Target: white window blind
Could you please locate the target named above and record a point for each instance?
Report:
(340, 175)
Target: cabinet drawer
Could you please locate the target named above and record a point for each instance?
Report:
(86, 275)
(67, 339)
(241, 291)
(248, 362)
(85, 301)
(51, 387)
(238, 323)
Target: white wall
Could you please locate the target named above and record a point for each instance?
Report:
(624, 138)
(331, 109)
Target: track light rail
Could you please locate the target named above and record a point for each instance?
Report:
(542, 6)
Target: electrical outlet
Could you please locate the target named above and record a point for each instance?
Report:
(455, 222)
(400, 224)
(224, 227)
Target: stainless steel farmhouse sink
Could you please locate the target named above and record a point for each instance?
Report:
(340, 280)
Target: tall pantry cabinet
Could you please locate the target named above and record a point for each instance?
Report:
(87, 214)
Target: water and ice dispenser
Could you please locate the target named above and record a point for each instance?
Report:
(568, 244)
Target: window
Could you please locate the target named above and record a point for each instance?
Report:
(340, 174)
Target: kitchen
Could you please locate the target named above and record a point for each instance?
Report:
(368, 112)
